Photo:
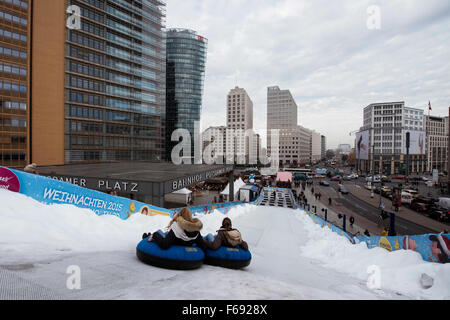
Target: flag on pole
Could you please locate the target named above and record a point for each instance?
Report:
(429, 105)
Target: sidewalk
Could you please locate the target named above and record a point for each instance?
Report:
(361, 223)
(404, 212)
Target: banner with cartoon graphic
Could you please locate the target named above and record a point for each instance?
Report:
(51, 191)
(432, 247)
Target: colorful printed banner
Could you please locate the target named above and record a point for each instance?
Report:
(432, 247)
(52, 191)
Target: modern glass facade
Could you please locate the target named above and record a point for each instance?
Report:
(186, 61)
(14, 74)
(115, 82)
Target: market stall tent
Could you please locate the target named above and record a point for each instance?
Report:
(237, 185)
(181, 196)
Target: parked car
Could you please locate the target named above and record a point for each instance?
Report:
(439, 213)
(324, 183)
(385, 179)
(412, 192)
(375, 179)
(419, 207)
(385, 191)
(399, 177)
(343, 190)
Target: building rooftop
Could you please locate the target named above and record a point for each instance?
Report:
(136, 171)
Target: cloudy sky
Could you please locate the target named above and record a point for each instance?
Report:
(329, 54)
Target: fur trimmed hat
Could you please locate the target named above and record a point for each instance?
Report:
(445, 243)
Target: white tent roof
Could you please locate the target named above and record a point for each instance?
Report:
(237, 185)
(183, 191)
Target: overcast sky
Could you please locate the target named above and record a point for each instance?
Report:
(324, 52)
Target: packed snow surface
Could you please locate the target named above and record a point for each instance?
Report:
(293, 258)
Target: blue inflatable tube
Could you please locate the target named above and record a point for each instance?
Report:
(176, 257)
(228, 257)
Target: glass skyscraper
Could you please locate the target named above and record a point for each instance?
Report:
(185, 73)
(115, 79)
(98, 89)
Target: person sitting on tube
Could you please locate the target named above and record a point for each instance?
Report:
(183, 230)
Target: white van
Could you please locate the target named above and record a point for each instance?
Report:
(444, 202)
(414, 193)
(407, 198)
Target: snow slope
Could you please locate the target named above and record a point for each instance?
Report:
(293, 258)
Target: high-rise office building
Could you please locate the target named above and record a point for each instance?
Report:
(215, 138)
(289, 146)
(323, 147)
(14, 82)
(282, 110)
(186, 64)
(282, 113)
(240, 138)
(98, 89)
(316, 147)
(387, 124)
(305, 145)
(437, 129)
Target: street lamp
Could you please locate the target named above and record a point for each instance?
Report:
(344, 217)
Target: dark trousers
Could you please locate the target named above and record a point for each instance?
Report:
(171, 240)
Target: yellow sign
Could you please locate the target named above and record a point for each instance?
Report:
(384, 243)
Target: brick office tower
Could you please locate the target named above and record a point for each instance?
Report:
(98, 92)
(14, 79)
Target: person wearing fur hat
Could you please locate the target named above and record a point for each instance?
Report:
(184, 230)
(440, 248)
(227, 236)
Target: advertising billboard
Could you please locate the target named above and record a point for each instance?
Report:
(362, 145)
(416, 142)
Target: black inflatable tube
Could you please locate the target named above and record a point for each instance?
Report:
(226, 263)
(167, 263)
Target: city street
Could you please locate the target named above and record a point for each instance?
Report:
(359, 204)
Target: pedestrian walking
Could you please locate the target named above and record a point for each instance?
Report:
(329, 201)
